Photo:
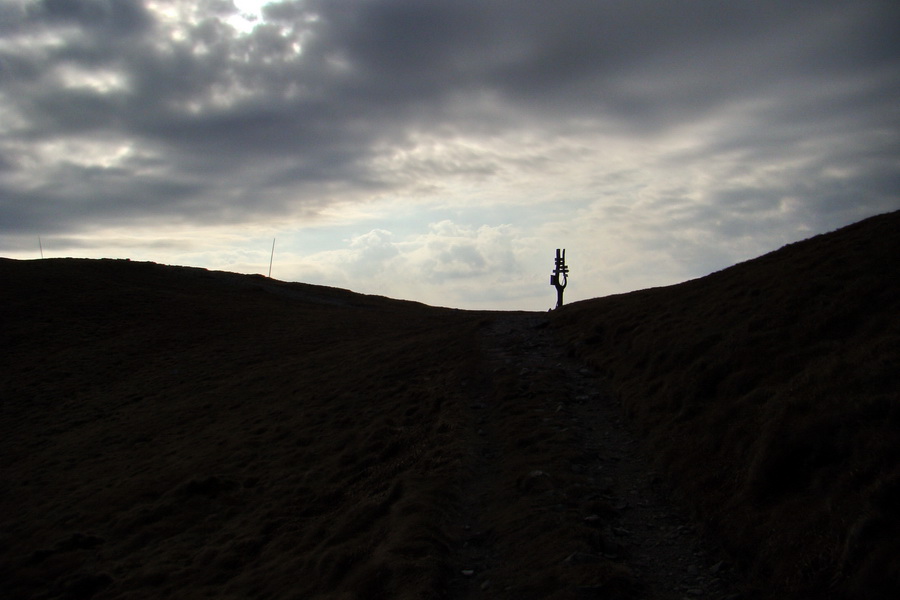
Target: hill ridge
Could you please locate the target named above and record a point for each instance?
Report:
(170, 430)
(791, 361)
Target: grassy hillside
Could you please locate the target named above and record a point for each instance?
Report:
(768, 392)
(176, 432)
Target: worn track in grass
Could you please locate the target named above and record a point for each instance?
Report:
(618, 533)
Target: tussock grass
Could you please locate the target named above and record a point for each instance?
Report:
(769, 394)
(167, 431)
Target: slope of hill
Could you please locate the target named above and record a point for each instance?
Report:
(170, 431)
(768, 393)
(176, 432)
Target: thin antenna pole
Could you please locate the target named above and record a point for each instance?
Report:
(271, 258)
(41, 245)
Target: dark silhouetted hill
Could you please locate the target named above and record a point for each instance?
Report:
(177, 432)
(768, 392)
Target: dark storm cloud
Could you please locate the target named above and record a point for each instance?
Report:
(116, 17)
(220, 126)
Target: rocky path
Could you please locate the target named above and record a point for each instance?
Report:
(620, 535)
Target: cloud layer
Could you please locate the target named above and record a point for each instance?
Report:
(456, 140)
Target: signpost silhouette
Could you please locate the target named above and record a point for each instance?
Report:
(560, 276)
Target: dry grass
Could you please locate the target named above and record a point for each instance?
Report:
(769, 394)
(177, 432)
(172, 432)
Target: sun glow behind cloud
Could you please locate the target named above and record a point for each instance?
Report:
(249, 14)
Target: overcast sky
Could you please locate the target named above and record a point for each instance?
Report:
(441, 150)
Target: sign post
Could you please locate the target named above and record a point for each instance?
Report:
(560, 276)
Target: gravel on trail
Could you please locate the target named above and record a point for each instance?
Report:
(629, 537)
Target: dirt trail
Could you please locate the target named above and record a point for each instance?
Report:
(587, 480)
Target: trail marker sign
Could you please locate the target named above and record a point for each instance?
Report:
(560, 277)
